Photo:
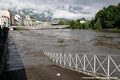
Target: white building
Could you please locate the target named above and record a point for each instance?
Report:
(30, 21)
(38, 22)
(55, 21)
(82, 20)
(4, 17)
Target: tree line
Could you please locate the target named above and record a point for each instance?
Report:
(107, 18)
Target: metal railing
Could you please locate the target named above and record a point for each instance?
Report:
(99, 66)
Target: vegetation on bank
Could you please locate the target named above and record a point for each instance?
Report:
(107, 18)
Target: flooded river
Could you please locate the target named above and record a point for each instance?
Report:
(78, 41)
(26, 46)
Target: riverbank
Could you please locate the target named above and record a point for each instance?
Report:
(111, 30)
(101, 30)
(3, 49)
(53, 72)
(39, 27)
(45, 72)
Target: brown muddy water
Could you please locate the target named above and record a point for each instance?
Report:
(77, 41)
(30, 44)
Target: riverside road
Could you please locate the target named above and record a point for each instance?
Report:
(26, 60)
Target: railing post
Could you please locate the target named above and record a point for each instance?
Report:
(76, 61)
(48, 54)
(44, 53)
(60, 58)
(56, 57)
(84, 62)
(108, 68)
(94, 72)
(53, 57)
(70, 57)
(64, 57)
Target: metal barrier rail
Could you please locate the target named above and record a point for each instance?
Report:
(106, 67)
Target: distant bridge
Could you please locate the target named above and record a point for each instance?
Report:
(41, 26)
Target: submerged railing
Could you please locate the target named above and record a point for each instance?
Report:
(99, 66)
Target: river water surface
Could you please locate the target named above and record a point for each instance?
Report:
(79, 41)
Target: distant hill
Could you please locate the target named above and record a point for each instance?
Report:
(43, 16)
(49, 14)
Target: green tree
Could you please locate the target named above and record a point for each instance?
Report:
(72, 23)
(77, 24)
(108, 17)
(92, 24)
(98, 24)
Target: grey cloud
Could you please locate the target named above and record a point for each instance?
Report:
(87, 8)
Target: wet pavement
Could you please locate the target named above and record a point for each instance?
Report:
(26, 49)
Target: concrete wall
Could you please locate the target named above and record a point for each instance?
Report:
(3, 48)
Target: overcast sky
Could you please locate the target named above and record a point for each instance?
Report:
(88, 8)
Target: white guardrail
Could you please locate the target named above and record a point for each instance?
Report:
(100, 66)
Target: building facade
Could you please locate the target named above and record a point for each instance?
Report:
(4, 18)
(30, 21)
(82, 20)
(16, 19)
